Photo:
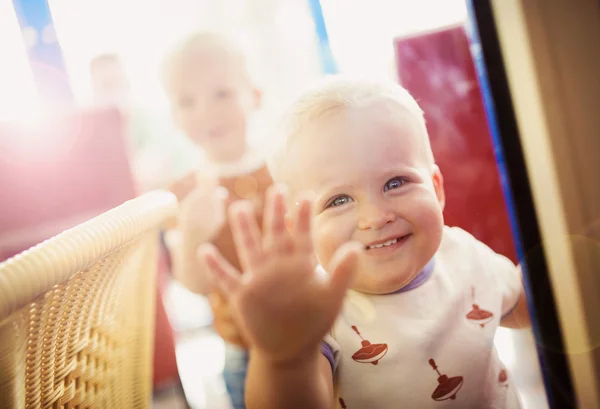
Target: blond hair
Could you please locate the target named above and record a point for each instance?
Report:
(334, 94)
(205, 42)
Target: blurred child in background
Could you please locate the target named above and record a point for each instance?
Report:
(213, 102)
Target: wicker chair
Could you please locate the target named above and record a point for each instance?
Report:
(77, 312)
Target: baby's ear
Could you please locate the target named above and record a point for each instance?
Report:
(438, 185)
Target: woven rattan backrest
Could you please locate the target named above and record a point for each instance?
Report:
(77, 312)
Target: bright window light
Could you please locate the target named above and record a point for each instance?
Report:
(18, 96)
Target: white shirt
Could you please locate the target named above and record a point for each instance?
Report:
(433, 345)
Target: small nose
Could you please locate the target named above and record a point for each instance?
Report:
(373, 216)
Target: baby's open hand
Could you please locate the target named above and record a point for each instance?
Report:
(284, 307)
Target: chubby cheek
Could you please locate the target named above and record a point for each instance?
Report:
(429, 224)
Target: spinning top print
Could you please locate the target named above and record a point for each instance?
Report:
(503, 378)
(369, 353)
(448, 387)
(477, 315)
(342, 403)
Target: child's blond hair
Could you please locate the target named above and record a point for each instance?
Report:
(206, 41)
(333, 95)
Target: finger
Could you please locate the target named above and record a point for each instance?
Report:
(302, 224)
(343, 268)
(191, 200)
(219, 199)
(221, 193)
(206, 204)
(275, 234)
(246, 233)
(226, 277)
(184, 185)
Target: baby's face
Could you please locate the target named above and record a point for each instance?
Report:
(372, 182)
(212, 101)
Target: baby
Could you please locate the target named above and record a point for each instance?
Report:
(213, 101)
(406, 314)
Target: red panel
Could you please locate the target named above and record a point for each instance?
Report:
(59, 173)
(165, 370)
(438, 70)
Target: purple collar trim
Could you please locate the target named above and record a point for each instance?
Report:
(419, 279)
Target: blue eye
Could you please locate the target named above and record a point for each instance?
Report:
(394, 183)
(339, 201)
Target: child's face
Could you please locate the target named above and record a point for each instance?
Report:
(109, 83)
(212, 101)
(373, 182)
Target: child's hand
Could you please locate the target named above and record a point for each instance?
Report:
(202, 211)
(182, 187)
(283, 306)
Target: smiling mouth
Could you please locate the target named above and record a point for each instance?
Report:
(387, 243)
